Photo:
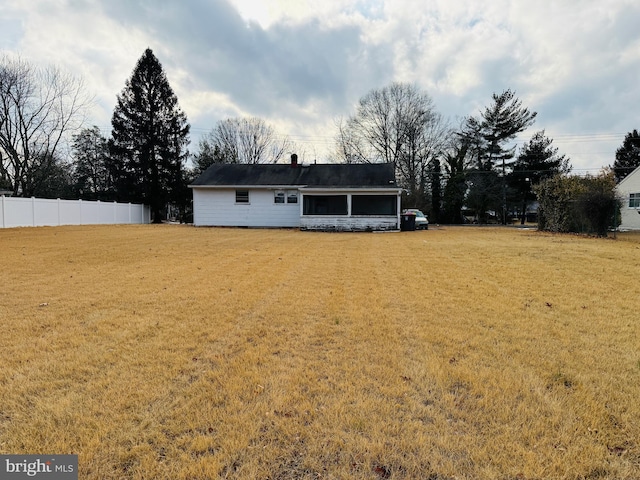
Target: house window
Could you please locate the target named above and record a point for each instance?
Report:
(374, 205)
(634, 200)
(325, 205)
(292, 196)
(242, 196)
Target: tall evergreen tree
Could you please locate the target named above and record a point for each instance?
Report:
(627, 156)
(489, 135)
(90, 159)
(455, 189)
(207, 155)
(538, 159)
(497, 125)
(149, 140)
(436, 190)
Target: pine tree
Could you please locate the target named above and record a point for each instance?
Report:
(496, 126)
(627, 156)
(90, 159)
(489, 136)
(456, 181)
(149, 138)
(436, 190)
(538, 159)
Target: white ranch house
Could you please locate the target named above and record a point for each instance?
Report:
(336, 197)
(629, 192)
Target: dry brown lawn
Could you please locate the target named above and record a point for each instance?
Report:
(172, 352)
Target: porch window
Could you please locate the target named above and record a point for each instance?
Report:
(278, 197)
(374, 205)
(242, 196)
(634, 200)
(325, 205)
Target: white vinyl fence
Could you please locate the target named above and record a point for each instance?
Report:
(39, 212)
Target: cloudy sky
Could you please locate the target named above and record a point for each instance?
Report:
(303, 64)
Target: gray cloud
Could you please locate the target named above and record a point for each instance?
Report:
(576, 66)
(259, 69)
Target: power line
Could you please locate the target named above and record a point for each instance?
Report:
(586, 137)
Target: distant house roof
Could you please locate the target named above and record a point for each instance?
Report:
(629, 177)
(353, 175)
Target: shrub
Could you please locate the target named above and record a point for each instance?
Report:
(577, 204)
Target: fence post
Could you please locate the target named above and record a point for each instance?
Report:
(58, 211)
(4, 214)
(80, 203)
(33, 211)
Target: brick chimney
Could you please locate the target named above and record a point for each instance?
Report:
(294, 160)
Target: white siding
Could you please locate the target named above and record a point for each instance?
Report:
(218, 207)
(346, 223)
(630, 216)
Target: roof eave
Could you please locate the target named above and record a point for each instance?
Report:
(351, 187)
(266, 187)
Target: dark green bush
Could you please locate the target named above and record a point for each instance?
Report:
(568, 203)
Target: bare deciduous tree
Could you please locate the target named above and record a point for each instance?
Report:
(246, 140)
(38, 108)
(397, 124)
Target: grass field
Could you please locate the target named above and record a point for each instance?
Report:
(172, 352)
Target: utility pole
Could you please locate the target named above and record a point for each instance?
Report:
(504, 193)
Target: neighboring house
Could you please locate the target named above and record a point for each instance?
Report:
(342, 197)
(629, 192)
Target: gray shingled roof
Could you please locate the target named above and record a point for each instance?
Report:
(317, 175)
